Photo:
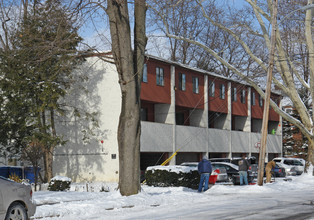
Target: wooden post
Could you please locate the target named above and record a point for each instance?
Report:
(262, 152)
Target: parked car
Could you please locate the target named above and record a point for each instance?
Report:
(278, 170)
(221, 177)
(254, 169)
(233, 172)
(289, 163)
(234, 160)
(15, 200)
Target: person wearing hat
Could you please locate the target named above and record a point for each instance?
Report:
(204, 169)
(243, 169)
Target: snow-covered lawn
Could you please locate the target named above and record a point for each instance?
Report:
(272, 201)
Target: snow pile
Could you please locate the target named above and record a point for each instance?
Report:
(61, 178)
(173, 168)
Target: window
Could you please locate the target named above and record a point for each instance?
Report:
(260, 100)
(234, 94)
(253, 98)
(211, 89)
(159, 76)
(144, 79)
(195, 85)
(182, 81)
(243, 96)
(222, 91)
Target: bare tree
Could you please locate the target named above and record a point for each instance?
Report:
(129, 65)
(185, 19)
(287, 79)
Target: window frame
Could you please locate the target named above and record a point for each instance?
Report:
(160, 75)
(243, 94)
(222, 91)
(234, 94)
(144, 77)
(182, 81)
(195, 82)
(211, 90)
(253, 102)
(260, 100)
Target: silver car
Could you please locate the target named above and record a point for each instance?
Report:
(15, 200)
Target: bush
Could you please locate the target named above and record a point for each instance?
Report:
(168, 177)
(59, 183)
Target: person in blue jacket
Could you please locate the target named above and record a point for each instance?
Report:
(204, 169)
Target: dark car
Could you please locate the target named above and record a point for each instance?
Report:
(221, 176)
(278, 171)
(233, 172)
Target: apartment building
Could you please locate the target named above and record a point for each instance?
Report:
(197, 112)
(185, 110)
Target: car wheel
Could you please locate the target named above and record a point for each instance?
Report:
(16, 211)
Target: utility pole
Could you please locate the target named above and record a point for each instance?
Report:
(262, 151)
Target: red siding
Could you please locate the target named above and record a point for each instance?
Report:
(273, 116)
(188, 98)
(238, 108)
(150, 91)
(216, 104)
(257, 110)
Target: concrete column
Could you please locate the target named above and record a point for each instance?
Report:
(172, 111)
(228, 122)
(247, 126)
(205, 113)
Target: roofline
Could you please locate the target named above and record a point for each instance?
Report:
(205, 72)
(108, 54)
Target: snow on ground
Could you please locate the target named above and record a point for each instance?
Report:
(281, 199)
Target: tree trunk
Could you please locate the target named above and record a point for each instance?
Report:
(48, 164)
(130, 67)
(310, 155)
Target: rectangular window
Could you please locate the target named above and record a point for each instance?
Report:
(195, 85)
(144, 73)
(243, 96)
(160, 76)
(234, 94)
(253, 98)
(260, 100)
(211, 89)
(182, 81)
(222, 91)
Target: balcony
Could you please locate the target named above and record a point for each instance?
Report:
(159, 137)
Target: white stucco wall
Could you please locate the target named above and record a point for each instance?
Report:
(85, 157)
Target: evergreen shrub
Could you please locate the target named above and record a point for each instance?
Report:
(166, 178)
(59, 184)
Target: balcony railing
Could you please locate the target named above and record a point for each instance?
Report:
(158, 137)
